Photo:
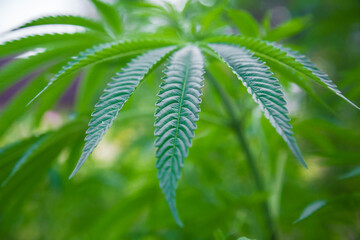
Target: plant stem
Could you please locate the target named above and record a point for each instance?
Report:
(236, 125)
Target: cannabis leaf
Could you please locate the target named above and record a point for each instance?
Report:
(104, 45)
(177, 112)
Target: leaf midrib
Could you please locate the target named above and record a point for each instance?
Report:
(180, 107)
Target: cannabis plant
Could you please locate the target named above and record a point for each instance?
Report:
(185, 47)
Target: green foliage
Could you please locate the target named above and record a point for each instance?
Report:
(310, 209)
(193, 41)
(8, 115)
(10, 73)
(116, 94)
(353, 173)
(102, 53)
(177, 112)
(287, 29)
(276, 54)
(110, 16)
(246, 24)
(264, 88)
(317, 74)
(46, 40)
(37, 155)
(65, 20)
(24, 158)
(89, 89)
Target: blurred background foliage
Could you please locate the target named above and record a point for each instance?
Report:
(116, 195)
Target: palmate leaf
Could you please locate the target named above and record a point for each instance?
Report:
(177, 112)
(65, 20)
(282, 56)
(115, 96)
(264, 88)
(105, 52)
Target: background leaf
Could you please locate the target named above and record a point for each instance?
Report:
(65, 20)
(310, 209)
(246, 23)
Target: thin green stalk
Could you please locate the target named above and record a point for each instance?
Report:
(236, 125)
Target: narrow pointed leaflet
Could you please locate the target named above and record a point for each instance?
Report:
(319, 75)
(272, 52)
(102, 53)
(264, 88)
(178, 108)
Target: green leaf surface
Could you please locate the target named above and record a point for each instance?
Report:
(90, 85)
(287, 29)
(28, 153)
(210, 18)
(271, 52)
(45, 40)
(289, 75)
(266, 22)
(311, 209)
(264, 88)
(321, 77)
(110, 16)
(21, 67)
(105, 52)
(11, 153)
(245, 23)
(65, 20)
(115, 96)
(16, 108)
(177, 112)
(50, 98)
(353, 173)
(19, 186)
(11, 71)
